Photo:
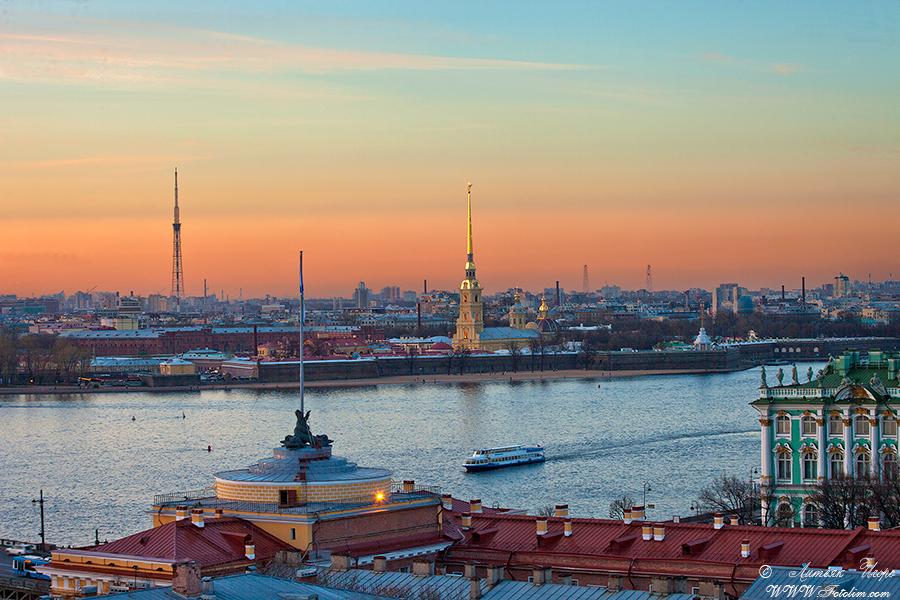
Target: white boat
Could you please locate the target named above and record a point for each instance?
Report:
(496, 458)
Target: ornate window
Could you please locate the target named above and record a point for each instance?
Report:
(863, 464)
(889, 427)
(784, 465)
(837, 464)
(782, 425)
(808, 426)
(890, 467)
(861, 426)
(810, 465)
(836, 425)
(810, 516)
(784, 516)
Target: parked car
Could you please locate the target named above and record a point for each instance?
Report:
(21, 549)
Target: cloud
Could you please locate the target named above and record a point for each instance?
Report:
(782, 68)
(158, 55)
(111, 160)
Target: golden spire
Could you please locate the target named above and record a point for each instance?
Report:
(469, 254)
(544, 309)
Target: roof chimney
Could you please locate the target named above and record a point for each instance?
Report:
(474, 589)
(659, 532)
(186, 579)
(342, 562)
(475, 506)
(469, 570)
(217, 514)
(874, 524)
(637, 512)
(466, 520)
(647, 532)
(181, 512)
(423, 568)
(561, 510)
(541, 525)
(734, 520)
(541, 576)
(447, 501)
(207, 589)
(197, 517)
(379, 564)
(567, 527)
(718, 521)
(494, 574)
(250, 550)
(409, 486)
(627, 516)
(745, 548)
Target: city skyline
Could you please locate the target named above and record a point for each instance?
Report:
(603, 136)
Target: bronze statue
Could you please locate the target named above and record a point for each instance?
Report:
(302, 436)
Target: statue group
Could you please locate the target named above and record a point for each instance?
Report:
(302, 436)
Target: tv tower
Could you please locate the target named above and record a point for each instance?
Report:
(585, 282)
(177, 272)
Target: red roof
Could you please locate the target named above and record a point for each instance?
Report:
(612, 543)
(220, 541)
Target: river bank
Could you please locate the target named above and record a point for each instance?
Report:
(448, 379)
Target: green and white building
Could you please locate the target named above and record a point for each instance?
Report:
(842, 422)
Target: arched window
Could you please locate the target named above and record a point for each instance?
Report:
(810, 465)
(889, 427)
(890, 467)
(861, 426)
(836, 425)
(808, 426)
(810, 516)
(784, 516)
(784, 465)
(783, 425)
(863, 464)
(837, 464)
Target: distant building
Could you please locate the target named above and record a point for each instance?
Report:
(471, 333)
(725, 298)
(841, 286)
(361, 295)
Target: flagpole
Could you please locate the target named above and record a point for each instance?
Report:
(302, 319)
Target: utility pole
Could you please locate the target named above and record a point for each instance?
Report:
(40, 502)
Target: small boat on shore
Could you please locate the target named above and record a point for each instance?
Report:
(485, 459)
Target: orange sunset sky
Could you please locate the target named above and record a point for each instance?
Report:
(750, 142)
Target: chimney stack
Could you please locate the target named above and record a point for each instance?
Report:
(627, 516)
(659, 532)
(874, 524)
(181, 513)
(469, 570)
(466, 520)
(474, 589)
(186, 579)
(475, 506)
(379, 564)
(637, 512)
(541, 576)
(447, 501)
(541, 525)
(782, 293)
(250, 549)
(494, 575)
(718, 521)
(734, 520)
(423, 568)
(558, 303)
(562, 510)
(217, 514)
(409, 486)
(197, 517)
(647, 532)
(207, 589)
(745, 548)
(567, 527)
(803, 289)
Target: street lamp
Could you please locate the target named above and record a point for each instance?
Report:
(647, 488)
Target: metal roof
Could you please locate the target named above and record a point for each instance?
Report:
(507, 333)
(252, 586)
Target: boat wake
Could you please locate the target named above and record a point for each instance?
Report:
(595, 451)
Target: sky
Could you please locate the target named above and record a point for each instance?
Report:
(755, 142)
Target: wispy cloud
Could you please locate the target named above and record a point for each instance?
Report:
(111, 160)
(782, 68)
(164, 55)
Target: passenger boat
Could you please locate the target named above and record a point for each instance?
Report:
(496, 458)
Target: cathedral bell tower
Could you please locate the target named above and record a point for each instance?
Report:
(471, 308)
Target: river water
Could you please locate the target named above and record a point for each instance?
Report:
(100, 469)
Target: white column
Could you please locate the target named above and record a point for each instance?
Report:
(765, 455)
(823, 455)
(875, 426)
(848, 445)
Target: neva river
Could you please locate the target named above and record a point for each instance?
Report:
(100, 469)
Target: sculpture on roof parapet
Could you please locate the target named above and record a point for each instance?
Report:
(762, 377)
(302, 436)
(794, 379)
(780, 376)
(809, 375)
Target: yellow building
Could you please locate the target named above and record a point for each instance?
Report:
(471, 334)
(312, 500)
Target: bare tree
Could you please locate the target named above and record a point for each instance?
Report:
(514, 353)
(843, 501)
(618, 506)
(731, 495)
(411, 353)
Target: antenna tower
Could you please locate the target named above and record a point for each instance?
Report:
(177, 272)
